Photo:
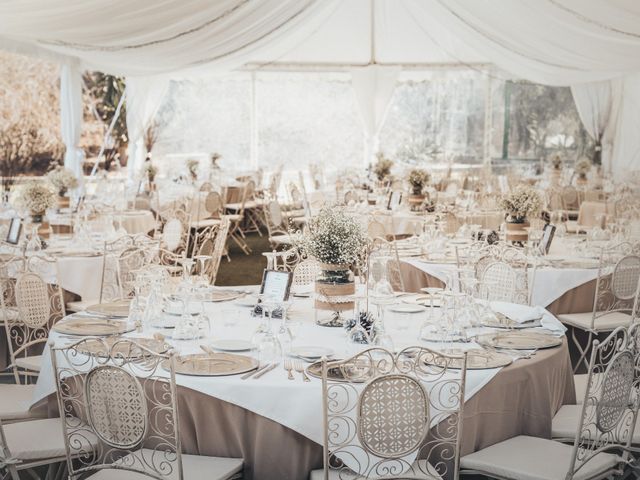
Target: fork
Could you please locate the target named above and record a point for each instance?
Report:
(299, 367)
(289, 368)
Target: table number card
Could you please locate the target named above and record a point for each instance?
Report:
(275, 285)
(394, 200)
(15, 229)
(547, 237)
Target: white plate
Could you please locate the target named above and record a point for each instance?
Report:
(311, 352)
(407, 308)
(249, 301)
(231, 345)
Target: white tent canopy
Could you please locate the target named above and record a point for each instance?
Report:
(557, 42)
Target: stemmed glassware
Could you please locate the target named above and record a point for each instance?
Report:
(268, 346)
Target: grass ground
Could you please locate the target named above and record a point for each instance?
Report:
(244, 269)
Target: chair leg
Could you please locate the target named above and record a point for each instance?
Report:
(582, 350)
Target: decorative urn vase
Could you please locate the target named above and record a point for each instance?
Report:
(582, 180)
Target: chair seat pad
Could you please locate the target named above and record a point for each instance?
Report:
(421, 470)
(280, 239)
(15, 401)
(80, 305)
(32, 363)
(194, 467)
(565, 424)
(204, 223)
(234, 218)
(39, 439)
(580, 382)
(532, 458)
(605, 323)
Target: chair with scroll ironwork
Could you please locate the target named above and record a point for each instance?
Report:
(305, 273)
(603, 434)
(502, 273)
(39, 305)
(615, 302)
(126, 396)
(279, 237)
(392, 415)
(284, 261)
(209, 246)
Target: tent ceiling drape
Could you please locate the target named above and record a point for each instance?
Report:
(558, 42)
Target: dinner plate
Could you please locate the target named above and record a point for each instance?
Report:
(518, 340)
(224, 296)
(407, 308)
(231, 345)
(110, 309)
(247, 301)
(311, 352)
(424, 300)
(97, 327)
(336, 374)
(216, 365)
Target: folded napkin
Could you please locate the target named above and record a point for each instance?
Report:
(524, 313)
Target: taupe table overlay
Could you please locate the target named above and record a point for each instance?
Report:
(521, 399)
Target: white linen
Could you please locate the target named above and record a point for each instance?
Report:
(525, 313)
(296, 405)
(143, 95)
(71, 117)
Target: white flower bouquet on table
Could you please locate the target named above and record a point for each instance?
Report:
(35, 197)
(333, 238)
(582, 167)
(62, 179)
(418, 179)
(521, 202)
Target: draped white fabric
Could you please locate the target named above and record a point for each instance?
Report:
(143, 96)
(626, 143)
(373, 86)
(597, 104)
(146, 37)
(71, 116)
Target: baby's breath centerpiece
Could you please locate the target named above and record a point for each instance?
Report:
(35, 197)
(62, 179)
(417, 180)
(337, 241)
(556, 161)
(582, 167)
(382, 168)
(522, 202)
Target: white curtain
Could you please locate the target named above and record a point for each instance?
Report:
(626, 142)
(71, 116)
(143, 96)
(373, 86)
(147, 37)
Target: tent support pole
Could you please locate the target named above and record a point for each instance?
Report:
(253, 124)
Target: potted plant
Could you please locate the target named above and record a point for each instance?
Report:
(417, 180)
(582, 168)
(62, 180)
(337, 241)
(519, 204)
(382, 168)
(151, 172)
(192, 167)
(556, 168)
(36, 198)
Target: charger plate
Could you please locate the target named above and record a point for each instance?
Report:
(334, 374)
(218, 364)
(423, 299)
(478, 359)
(97, 327)
(115, 346)
(518, 340)
(222, 296)
(110, 309)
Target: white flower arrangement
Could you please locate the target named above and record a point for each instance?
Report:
(582, 167)
(556, 161)
(332, 237)
(521, 202)
(34, 196)
(418, 179)
(62, 179)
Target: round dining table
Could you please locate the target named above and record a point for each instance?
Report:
(275, 424)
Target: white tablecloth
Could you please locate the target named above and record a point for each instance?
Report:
(294, 404)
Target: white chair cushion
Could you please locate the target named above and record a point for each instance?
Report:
(532, 458)
(15, 401)
(32, 363)
(280, 239)
(565, 424)
(234, 206)
(605, 323)
(580, 382)
(194, 467)
(39, 439)
(420, 467)
(207, 222)
(80, 305)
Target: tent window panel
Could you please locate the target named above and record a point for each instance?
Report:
(207, 115)
(308, 117)
(436, 117)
